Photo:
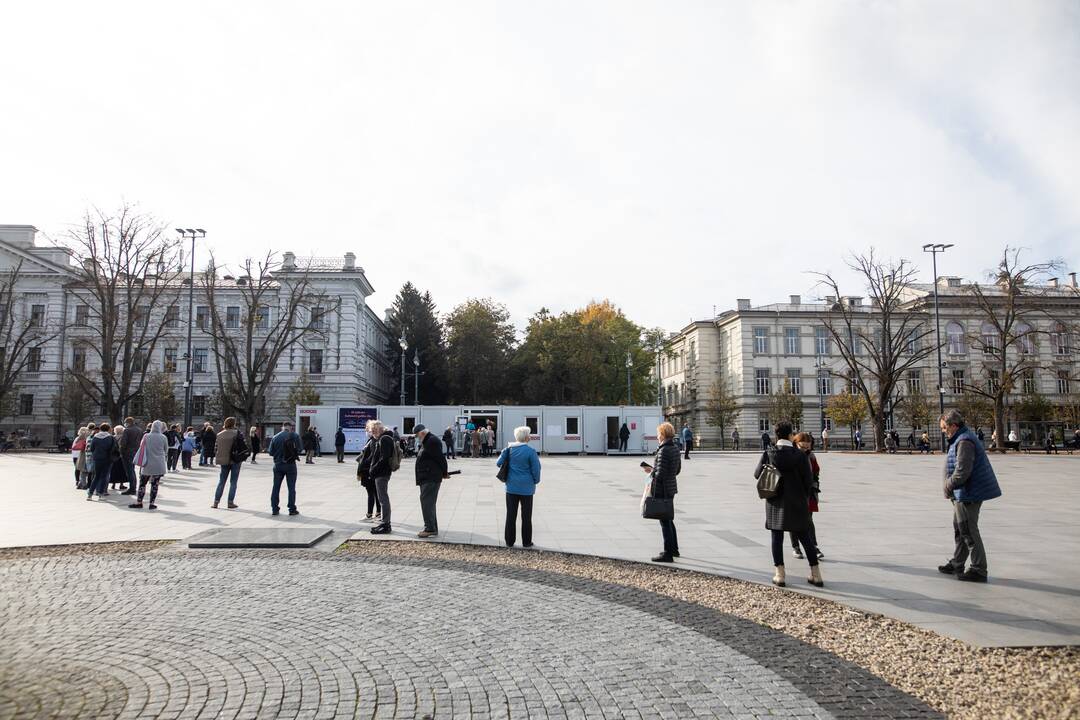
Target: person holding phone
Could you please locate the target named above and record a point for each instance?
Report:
(664, 471)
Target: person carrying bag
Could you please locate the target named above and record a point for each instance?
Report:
(659, 501)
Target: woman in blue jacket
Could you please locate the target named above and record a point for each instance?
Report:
(521, 484)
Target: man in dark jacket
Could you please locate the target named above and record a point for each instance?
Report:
(624, 437)
(129, 445)
(448, 441)
(339, 445)
(209, 445)
(382, 457)
(969, 481)
(309, 447)
(431, 468)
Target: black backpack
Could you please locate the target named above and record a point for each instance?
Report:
(291, 453)
(239, 451)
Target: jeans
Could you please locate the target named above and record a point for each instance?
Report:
(809, 547)
(449, 449)
(174, 455)
(286, 472)
(231, 471)
(512, 503)
(429, 495)
(967, 538)
(129, 471)
(382, 488)
(812, 531)
(622, 444)
(373, 505)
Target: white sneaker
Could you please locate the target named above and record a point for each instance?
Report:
(796, 552)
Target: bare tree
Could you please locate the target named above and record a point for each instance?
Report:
(722, 406)
(128, 272)
(275, 312)
(1009, 309)
(880, 342)
(24, 332)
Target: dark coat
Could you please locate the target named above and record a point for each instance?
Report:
(102, 447)
(129, 441)
(666, 467)
(624, 432)
(309, 440)
(209, 440)
(381, 453)
(790, 509)
(430, 461)
(339, 439)
(448, 436)
(363, 467)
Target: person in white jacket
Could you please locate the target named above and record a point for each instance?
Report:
(152, 459)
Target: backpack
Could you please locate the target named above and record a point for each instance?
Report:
(395, 459)
(290, 452)
(768, 484)
(239, 451)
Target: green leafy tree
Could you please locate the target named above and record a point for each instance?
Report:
(786, 405)
(302, 392)
(915, 410)
(480, 340)
(413, 316)
(978, 410)
(847, 409)
(159, 398)
(721, 407)
(1034, 407)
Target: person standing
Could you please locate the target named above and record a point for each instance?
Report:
(255, 442)
(285, 450)
(118, 476)
(485, 441)
(318, 441)
(687, 440)
(789, 509)
(825, 439)
(383, 460)
(103, 449)
(804, 441)
(466, 445)
(476, 442)
(209, 442)
(152, 459)
(172, 436)
(187, 447)
(431, 469)
(78, 449)
(624, 437)
(231, 451)
(858, 439)
(363, 471)
(664, 473)
(339, 445)
(130, 439)
(766, 440)
(969, 482)
(448, 442)
(521, 481)
(309, 446)
(735, 438)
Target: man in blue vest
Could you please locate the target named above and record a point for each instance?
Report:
(969, 482)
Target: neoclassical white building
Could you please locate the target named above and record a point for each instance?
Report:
(760, 349)
(346, 362)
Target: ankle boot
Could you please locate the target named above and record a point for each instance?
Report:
(779, 579)
(815, 576)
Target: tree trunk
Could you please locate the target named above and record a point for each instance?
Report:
(999, 423)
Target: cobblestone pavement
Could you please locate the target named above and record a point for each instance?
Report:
(303, 634)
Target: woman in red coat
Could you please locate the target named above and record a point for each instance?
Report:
(805, 442)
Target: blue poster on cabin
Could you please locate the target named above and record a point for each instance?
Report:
(352, 420)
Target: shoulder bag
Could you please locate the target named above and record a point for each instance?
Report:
(504, 469)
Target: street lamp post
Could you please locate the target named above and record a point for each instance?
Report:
(416, 376)
(934, 249)
(629, 364)
(404, 346)
(186, 233)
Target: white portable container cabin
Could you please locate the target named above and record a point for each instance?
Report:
(567, 429)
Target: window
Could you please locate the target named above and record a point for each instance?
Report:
(26, 404)
(82, 315)
(232, 317)
(140, 316)
(1063, 382)
(33, 359)
(1026, 337)
(571, 426)
(136, 406)
(954, 339)
(914, 382)
(824, 385)
(78, 358)
(794, 381)
(911, 344)
(988, 335)
(198, 405)
(826, 422)
(407, 425)
(822, 341)
(533, 423)
(856, 344)
(993, 381)
(172, 316)
(140, 361)
(958, 381)
(792, 341)
(262, 317)
(693, 352)
(37, 315)
(202, 317)
(318, 318)
(763, 423)
(315, 362)
(170, 360)
(1030, 385)
(761, 341)
(1059, 339)
(200, 360)
(761, 381)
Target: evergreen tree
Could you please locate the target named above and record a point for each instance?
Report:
(413, 316)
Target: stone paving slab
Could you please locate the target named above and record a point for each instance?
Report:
(883, 526)
(300, 537)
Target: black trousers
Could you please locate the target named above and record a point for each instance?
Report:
(340, 450)
(526, 503)
(373, 506)
(813, 534)
(429, 497)
(809, 548)
(622, 444)
(450, 449)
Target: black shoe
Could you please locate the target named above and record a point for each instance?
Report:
(526, 544)
(674, 553)
(947, 569)
(137, 506)
(971, 576)
(152, 506)
(380, 530)
(129, 492)
(294, 511)
(663, 559)
(275, 512)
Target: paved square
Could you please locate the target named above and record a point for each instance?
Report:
(883, 526)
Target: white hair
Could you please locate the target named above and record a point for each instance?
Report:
(522, 434)
(376, 425)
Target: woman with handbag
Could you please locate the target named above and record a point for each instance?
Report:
(152, 459)
(787, 507)
(363, 472)
(663, 486)
(805, 442)
(519, 469)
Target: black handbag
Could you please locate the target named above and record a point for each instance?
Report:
(655, 508)
(504, 469)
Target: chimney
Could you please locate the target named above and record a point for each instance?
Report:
(743, 303)
(288, 261)
(350, 261)
(1053, 282)
(228, 277)
(795, 300)
(243, 280)
(1072, 279)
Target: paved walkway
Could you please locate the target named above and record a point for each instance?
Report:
(883, 527)
(310, 635)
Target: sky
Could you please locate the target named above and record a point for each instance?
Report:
(668, 156)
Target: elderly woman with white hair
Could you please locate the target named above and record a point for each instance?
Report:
(152, 458)
(521, 480)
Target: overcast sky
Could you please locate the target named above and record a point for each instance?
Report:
(670, 156)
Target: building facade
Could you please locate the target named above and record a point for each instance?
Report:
(345, 361)
(759, 351)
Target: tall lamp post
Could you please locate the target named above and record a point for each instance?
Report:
(404, 346)
(186, 233)
(934, 249)
(416, 376)
(629, 364)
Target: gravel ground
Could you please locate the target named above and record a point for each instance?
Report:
(959, 680)
(111, 548)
